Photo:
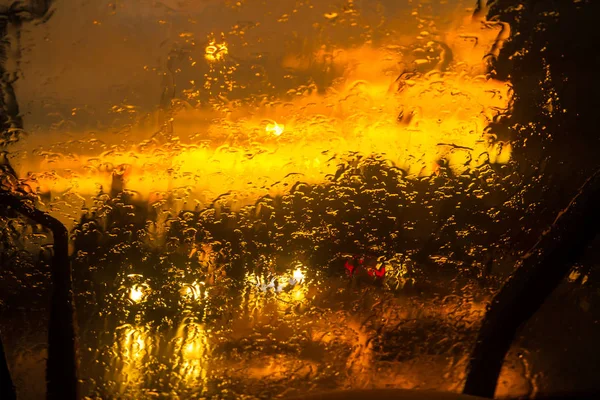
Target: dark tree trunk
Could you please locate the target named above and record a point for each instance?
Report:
(539, 272)
(61, 368)
(7, 389)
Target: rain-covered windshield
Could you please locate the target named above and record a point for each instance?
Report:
(270, 198)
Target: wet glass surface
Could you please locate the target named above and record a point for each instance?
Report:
(268, 198)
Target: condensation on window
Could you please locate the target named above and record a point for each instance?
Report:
(265, 198)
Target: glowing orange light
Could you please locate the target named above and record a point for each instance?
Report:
(415, 121)
(275, 128)
(298, 275)
(137, 293)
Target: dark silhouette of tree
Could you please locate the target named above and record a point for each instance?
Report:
(553, 120)
(551, 60)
